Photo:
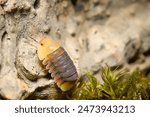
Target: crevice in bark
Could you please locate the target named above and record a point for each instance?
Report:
(3, 36)
(74, 2)
(1, 52)
(147, 53)
(36, 4)
(24, 73)
(44, 92)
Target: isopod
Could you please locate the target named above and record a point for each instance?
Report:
(58, 63)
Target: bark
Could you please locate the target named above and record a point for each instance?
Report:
(93, 32)
(22, 23)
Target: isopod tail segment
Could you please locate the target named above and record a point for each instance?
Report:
(58, 63)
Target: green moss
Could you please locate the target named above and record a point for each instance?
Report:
(89, 88)
(118, 84)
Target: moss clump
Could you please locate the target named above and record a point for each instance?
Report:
(89, 88)
(118, 85)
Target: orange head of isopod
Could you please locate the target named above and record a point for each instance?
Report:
(47, 46)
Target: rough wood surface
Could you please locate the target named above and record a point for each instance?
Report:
(93, 32)
(22, 23)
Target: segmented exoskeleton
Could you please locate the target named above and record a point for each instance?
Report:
(58, 63)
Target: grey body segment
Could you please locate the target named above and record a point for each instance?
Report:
(62, 66)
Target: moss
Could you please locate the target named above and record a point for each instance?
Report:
(87, 89)
(118, 85)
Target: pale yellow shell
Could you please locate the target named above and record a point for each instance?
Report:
(46, 46)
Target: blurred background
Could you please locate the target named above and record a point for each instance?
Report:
(113, 32)
(93, 32)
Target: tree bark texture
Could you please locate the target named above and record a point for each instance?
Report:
(93, 32)
(22, 23)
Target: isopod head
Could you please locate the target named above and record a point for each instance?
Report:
(46, 46)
